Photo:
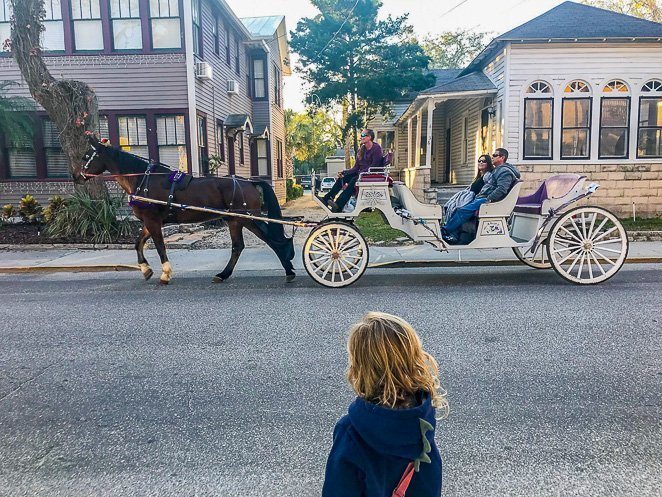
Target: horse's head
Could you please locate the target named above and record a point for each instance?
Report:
(93, 162)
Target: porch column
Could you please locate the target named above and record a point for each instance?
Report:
(409, 142)
(428, 145)
(419, 130)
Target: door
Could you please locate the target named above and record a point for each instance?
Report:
(231, 163)
(447, 169)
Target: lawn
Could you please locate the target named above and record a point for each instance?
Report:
(375, 229)
(642, 224)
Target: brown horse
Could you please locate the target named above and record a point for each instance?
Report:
(138, 176)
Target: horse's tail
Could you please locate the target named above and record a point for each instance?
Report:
(274, 232)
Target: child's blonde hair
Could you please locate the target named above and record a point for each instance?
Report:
(387, 362)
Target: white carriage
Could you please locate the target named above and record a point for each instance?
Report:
(584, 245)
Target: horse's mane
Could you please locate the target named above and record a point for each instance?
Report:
(131, 163)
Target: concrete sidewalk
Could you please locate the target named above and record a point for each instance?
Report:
(261, 259)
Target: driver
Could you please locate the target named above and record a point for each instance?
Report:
(369, 155)
(496, 188)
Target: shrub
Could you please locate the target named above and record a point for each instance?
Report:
(54, 205)
(8, 211)
(92, 219)
(30, 210)
(293, 190)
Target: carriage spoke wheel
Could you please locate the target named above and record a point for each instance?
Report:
(335, 254)
(587, 245)
(539, 260)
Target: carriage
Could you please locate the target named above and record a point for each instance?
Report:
(583, 244)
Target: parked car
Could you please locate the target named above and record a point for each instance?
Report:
(327, 183)
(305, 181)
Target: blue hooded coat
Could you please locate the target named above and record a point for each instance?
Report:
(372, 446)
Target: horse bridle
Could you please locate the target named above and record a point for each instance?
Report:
(87, 164)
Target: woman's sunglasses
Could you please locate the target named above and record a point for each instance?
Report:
(482, 161)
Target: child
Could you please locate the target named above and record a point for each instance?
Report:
(391, 422)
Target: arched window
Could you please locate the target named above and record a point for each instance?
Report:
(538, 111)
(614, 121)
(576, 121)
(649, 136)
(654, 85)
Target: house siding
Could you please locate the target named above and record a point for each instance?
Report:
(463, 169)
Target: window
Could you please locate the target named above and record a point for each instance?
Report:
(615, 86)
(133, 135)
(614, 124)
(654, 85)
(220, 142)
(236, 54)
(87, 29)
(102, 127)
(240, 139)
(249, 85)
(465, 139)
(262, 157)
(538, 111)
(164, 21)
(279, 158)
(214, 32)
(576, 121)
(259, 79)
(125, 22)
(650, 126)
(171, 139)
(485, 131)
(203, 156)
(196, 8)
(227, 45)
(5, 16)
(22, 159)
(385, 140)
(57, 165)
(277, 87)
(52, 39)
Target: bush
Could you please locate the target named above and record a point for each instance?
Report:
(293, 190)
(54, 205)
(91, 219)
(8, 211)
(30, 210)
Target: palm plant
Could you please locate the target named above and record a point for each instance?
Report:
(16, 116)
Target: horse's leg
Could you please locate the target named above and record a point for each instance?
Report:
(140, 247)
(154, 228)
(237, 237)
(287, 265)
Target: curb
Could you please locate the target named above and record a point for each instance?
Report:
(98, 268)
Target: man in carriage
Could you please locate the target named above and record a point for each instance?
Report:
(369, 155)
(496, 188)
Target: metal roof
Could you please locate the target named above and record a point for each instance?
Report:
(262, 27)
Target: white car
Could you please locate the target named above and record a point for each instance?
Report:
(327, 183)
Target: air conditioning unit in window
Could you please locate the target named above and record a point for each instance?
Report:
(233, 86)
(203, 71)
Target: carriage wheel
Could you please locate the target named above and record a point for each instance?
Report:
(587, 245)
(539, 260)
(335, 254)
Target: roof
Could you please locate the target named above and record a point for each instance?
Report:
(262, 27)
(474, 81)
(572, 21)
(234, 121)
(340, 153)
(445, 75)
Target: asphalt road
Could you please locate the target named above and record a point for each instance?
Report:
(113, 386)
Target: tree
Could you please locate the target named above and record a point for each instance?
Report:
(310, 138)
(645, 9)
(16, 116)
(453, 49)
(350, 57)
(71, 105)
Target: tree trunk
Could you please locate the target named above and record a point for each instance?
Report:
(346, 141)
(71, 105)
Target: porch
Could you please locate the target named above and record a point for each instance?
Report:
(443, 131)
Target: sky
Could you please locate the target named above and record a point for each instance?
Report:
(426, 17)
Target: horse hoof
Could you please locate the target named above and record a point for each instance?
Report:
(164, 282)
(217, 279)
(148, 274)
(290, 278)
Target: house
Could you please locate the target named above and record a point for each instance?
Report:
(577, 89)
(183, 82)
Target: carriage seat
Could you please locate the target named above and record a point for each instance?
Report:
(504, 207)
(411, 203)
(553, 188)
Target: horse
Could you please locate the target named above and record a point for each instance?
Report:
(139, 176)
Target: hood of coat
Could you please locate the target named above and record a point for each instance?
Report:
(405, 433)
